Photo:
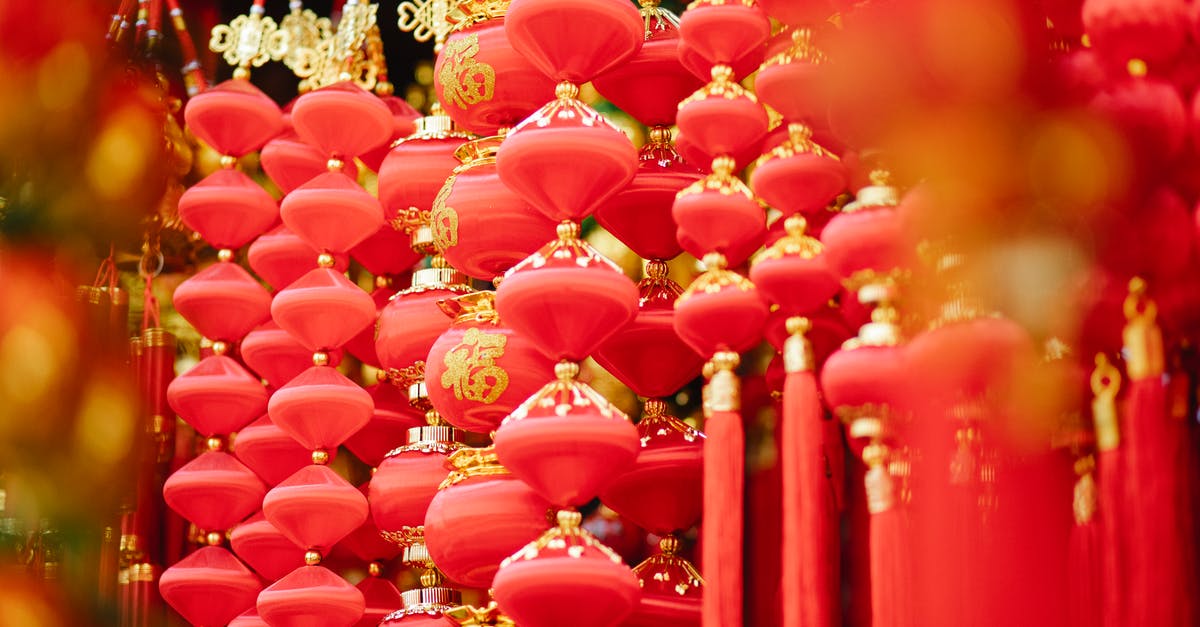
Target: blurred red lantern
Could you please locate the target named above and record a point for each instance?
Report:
(479, 370)
(647, 354)
(714, 32)
(1153, 30)
(214, 491)
(480, 515)
(551, 35)
(865, 242)
(477, 223)
(407, 480)
(792, 81)
(217, 396)
(210, 587)
(1150, 116)
(723, 119)
(798, 13)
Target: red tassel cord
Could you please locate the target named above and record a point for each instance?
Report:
(1111, 506)
(810, 531)
(1085, 549)
(724, 470)
(1160, 584)
(891, 561)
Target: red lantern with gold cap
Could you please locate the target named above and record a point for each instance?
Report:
(290, 162)
(227, 208)
(234, 117)
(390, 423)
(217, 396)
(276, 356)
(279, 257)
(209, 587)
(265, 549)
(270, 452)
(407, 480)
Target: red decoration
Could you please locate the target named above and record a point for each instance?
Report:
(223, 302)
(290, 162)
(479, 370)
(389, 424)
(799, 176)
(793, 273)
(270, 452)
(1151, 30)
(275, 355)
(331, 212)
(416, 168)
(380, 597)
(1150, 115)
(723, 119)
(362, 345)
(640, 215)
(671, 590)
(410, 324)
(720, 311)
(479, 225)
(567, 297)
(551, 35)
(722, 33)
(480, 517)
(386, 253)
(209, 587)
(262, 546)
(719, 214)
(566, 159)
(320, 408)
(798, 13)
(311, 596)
(408, 478)
(661, 492)
(214, 491)
(280, 257)
(484, 84)
(217, 396)
(228, 209)
(323, 309)
(405, 118)
(647, 354)
(315, 489)
(368, 545)
(233, 117)
(342, 120)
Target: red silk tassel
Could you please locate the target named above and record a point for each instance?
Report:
(1085, 550)
(724, 470)
(1160, 590)
(891, 562)
(1106, 381)
(810, 532)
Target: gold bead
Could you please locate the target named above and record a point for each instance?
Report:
(657, 269)
(724, 165)
(568, 519)
(566, 90)
(714, 261)
(312, 558)
(241, 74)
(228, 161)
(320, 358)
(795, 225)
(374, 569)
(568, 230)
(213, 538)
(325, 260)
(220, 348)
(660, 135)
(722, 73)
(653, 408)
(225, 255)
(669, 545)
(797, 325)
(215, 443)
(320, 457)
(335, 165)
(566, 370)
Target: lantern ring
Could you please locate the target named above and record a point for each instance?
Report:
(144, 268)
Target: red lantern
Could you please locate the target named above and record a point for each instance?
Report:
(405, 118)
(265, 549)
(661, 492)
(480, 515)
(1153, 31)
(270, 452)
(275, 355)
(386, 253)
(720, 311)
(249, 618)
(866, 243)
(320, 408)
(793, 273)
(362, 345)
(209, 587)
(407, 480)
(424, 607)
(217, 396)
(323, 309)
(483, 83)
(290, 506)
(380, 597)
(342, 120)
(551, 35)
(389, 424)
(416, 168)
(479, 370)
(647, 355)
(799, 176)
(567, 297)
(566, 577)
(412, 322)
(714, 32)
(719, 214)
(479, 225)
(280, 257)
(233, 117)
(640, 215)
(214, 491)
(290, 162)
(792, 81)
(723, 119)
(790, 12)
(671, 590)
(331, 212)
(227, 208)
(223, 302)
(567, 441)
(311, 596)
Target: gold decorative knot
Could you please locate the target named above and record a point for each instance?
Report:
(471, 370)
(471, 616)
(1105, 382)
(249, 40)
(306, 32)
(465, 80)
(426, 19)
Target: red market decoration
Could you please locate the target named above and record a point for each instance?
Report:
(290, 162)
(209, 587)
(280, 257)
(722, 118)
(719, 214)
(718, 33)
(233, 117)
(223, 302)
(362, 345)
(551, 36)
(479, 370)
(417, 166)
(405, 118)
(412, 322)
(386, 253)
(217, 396)
(720, 311)
(799, 176)
(342, 120)
(323, 309)
(320, 408)
(389, 424)
(380, 597)
(793, 273)
(1153, 31)
(671, 590)
(798, 13)
(331, 212)
(214, 491)
(275, 355)
(228, 209)
(792, 81)
(270, 452)
(407, 480)
(265, 549)
(291, 505)
(311, 596)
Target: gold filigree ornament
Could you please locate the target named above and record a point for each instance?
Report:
(249, 40)
(465, 80)
(715, 279)
(471, 370)
(802, 50)
(669, 569)
(471, 616)
(564, 395)
(426, 19)
(470, 462)
(568, 536)
(306, 32)
(795, 242)
(721, 86)
(353, 53)
(721, 180)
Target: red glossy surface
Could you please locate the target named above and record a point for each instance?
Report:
(311, 596)
(342, 119)
(290, 162)
(802, 183)
(724, 34)
(233, 117)
(228, 209)
(280, 257)
(640, 215)
(650, 85)
(472, 526)
(214, 491)
(1153, 30)
(265, 549)
(270, 452)
(728, 319)
(574, 40)
(796, 90)
(320, 408)
(732, 224)
(388, 426)
(362, 345)
(405, 118)
(483, 83)
(209, 587)
(381, 597)
(724, 126)
(367, 545)
(323, 309)
(274, 354)
(315, 508)
(222, 301)
(403, 486)
(555, 589)
(331, 212)
(217, 396)
(797, 285)
(868, 239)
(414, 171)
(798, 13)
(386, 253)
(409, 325)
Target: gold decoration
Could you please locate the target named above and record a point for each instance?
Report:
(472, 462)
(668, 566)
(881, 490)
(306, 31)
(714, 280)
(249, 40)
(471, 370)
(797, 350)
(443, 219)
(795, 243)
(656, 18)
(1142, 337)
(721, 86)
(802, 50)
(471, 616)
(723, 390)
(567, 536)
(1106, 382)
(465, 80)
(353, 53)
(565, 394)
(426, 19)
(1085, 497)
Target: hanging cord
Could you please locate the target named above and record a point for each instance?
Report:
(193, 74)
(150, 266)
(106, 276)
